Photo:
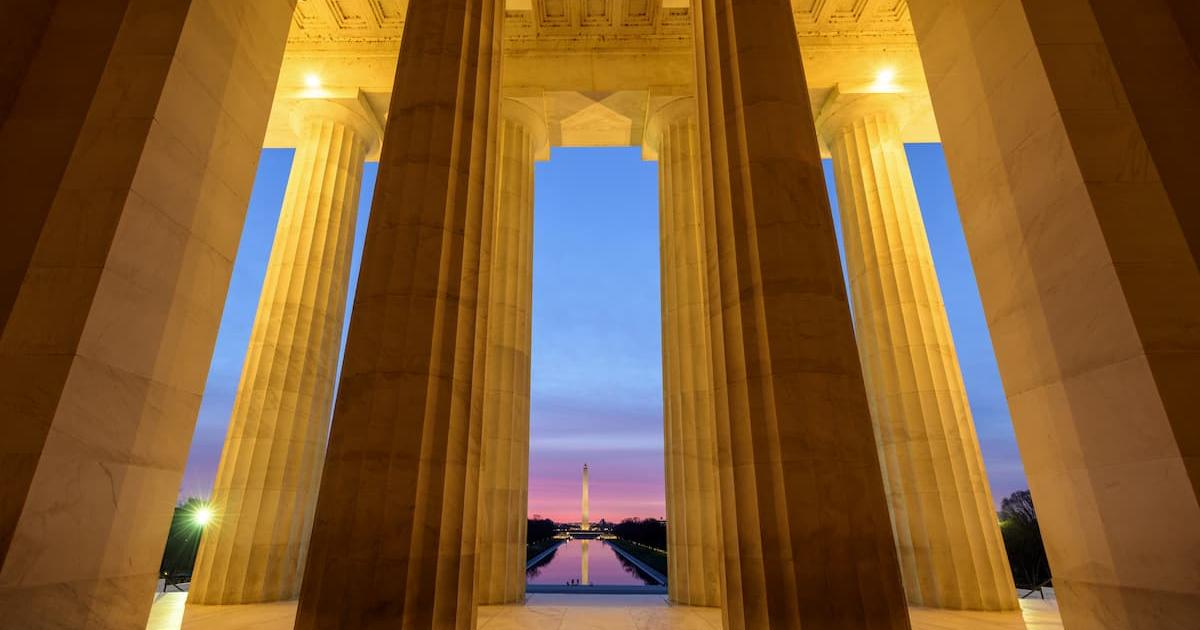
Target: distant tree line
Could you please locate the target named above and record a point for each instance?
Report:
(539, 536)
(539, 529)
(648, 531)
(1023, 540)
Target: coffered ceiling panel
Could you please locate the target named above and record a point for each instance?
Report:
(366, 21)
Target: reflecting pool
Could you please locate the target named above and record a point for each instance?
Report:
(586, 562)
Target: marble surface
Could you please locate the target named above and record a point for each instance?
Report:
(1091, 293)
(399, 491)
(947, 536)
(689, 390)
(801, 491)
(266, 485)
(129, 156)
(136, 207)
(581, 612)
(504, 452)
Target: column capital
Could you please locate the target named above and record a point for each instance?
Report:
(676, 109)
(845, 106)
(352, 112)
(533, 120)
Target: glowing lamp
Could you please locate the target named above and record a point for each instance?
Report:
(885, 80)
(202, 516)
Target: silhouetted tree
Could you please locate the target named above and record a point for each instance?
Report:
(539, 529)
(1023, 540)
(648, 531)
(183, 541)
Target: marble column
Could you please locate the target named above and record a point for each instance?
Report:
(104, 356)
(693, 534)
(1070, 131)
(266, 485)
(807, 540)
(947, 535)
(504, 476)
(395, 534)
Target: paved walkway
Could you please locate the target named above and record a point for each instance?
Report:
(647, 569)
(580, 612)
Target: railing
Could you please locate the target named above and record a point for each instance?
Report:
(1036, 589)
(650, 547)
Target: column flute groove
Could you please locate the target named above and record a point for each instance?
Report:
(807, 536)
(505, 454)
(689, 413)
(395, 538)
(948, 539)
(266, 485)
(524, 367)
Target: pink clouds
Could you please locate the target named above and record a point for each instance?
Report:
(623, 485)
(622, 444)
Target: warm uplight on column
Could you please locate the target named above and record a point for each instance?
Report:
(278, 438)
(950, 550)
(503, 485)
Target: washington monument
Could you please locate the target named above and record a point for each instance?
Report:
(583, 522)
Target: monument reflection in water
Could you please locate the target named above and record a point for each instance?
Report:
(586, 562)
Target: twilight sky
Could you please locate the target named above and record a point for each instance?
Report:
(597, 363)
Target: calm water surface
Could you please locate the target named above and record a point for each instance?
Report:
(603, 566)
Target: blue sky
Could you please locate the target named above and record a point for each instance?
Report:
(967, 323)
(246, 284)
(597, 381)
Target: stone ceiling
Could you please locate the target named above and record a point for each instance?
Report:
(596, 68)
(346, 22)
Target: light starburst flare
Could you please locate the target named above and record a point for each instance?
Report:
(203, 515)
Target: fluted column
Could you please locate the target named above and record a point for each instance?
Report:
(395, 534)
(693, 536)
(503, 482)
(266, 486)
(807, 541)
(947, 536)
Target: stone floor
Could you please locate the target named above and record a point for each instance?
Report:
(580, 612)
